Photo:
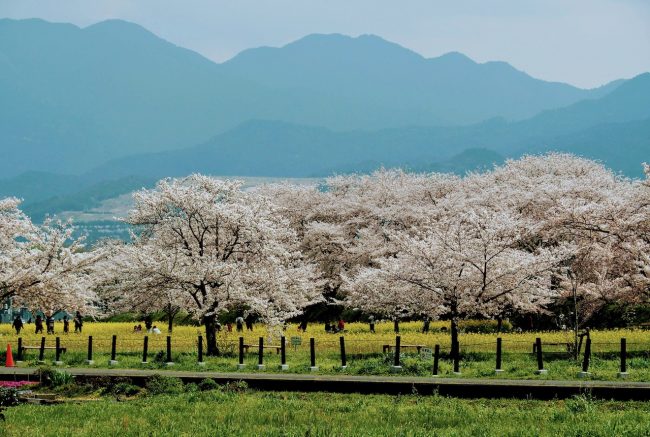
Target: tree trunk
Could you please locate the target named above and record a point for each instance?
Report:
(170, 321)
(454, 337)
(499, 324)
(396, 326)
(575, 322)
(210, 323)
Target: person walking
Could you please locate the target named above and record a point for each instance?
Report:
(17, 324)
(39, 324)
(425, 325)
(78, 322)
(66, 325)
(371, 322)
(49, 323)
(341, 325)
(239, 321)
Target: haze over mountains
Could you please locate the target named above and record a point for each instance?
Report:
(111, 107)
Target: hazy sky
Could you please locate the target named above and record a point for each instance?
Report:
(582, 42)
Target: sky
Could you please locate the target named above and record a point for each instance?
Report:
(586, 43)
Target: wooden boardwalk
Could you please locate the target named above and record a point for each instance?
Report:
(457, 387)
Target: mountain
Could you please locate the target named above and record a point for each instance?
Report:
(369, 83)
(267, 148)
(613, 129)
(74, 98)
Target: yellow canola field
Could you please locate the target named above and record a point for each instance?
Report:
(358, 339)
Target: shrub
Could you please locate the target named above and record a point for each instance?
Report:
(580, 404)
(55, 378)
(208, 384)
(125, 388)
(8, 398)
(158, 384)
(235, 387)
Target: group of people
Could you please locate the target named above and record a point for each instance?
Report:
(240, 322)
(153, 329)
(334, 327)
(48, 323)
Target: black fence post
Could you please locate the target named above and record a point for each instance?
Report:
(344, 361)
(240, 364)
(396, 364)
(436, 359)
(169, 362)
(498, 368)
(260, 354)
(89, 359)
(623, 373)
(540, 361)
(200, 344)
(57, 351)
(113, 360)
(312, 355)
(283, 353)
(19, 355)
(41, 351)
(145, 349)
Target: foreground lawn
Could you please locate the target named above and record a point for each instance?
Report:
(220, 413)
(472, 365)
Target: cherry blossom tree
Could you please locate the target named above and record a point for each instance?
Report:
(466, 261)
(42, 266)
(343, 224)
(208, 246)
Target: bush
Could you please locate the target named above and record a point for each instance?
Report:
(55, 378)
(236, 387)
(125, 388)
(208, 384)
(580, 404)
(8, 398)
(158, 384)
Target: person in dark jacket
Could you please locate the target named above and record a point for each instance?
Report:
(78, 322)
(49, 323)
(39, 324)
(17, 324)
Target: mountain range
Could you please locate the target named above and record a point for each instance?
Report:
(91, 112)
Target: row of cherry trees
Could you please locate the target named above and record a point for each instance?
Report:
(395, 244)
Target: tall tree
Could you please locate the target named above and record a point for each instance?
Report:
(207, 246)
(42, 266)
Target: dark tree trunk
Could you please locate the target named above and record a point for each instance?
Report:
(210, 323)
(170, 321)
(499, 324)
(454, 336)
(396, 326)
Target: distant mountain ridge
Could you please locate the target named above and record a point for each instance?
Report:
(76, 98)
(270, 148)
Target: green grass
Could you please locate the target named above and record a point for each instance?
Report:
(473, 365)
(221, 412)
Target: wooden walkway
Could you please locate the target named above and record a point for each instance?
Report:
(456, 387)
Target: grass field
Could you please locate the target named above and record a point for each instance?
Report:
(221, 413)
(363, 348)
